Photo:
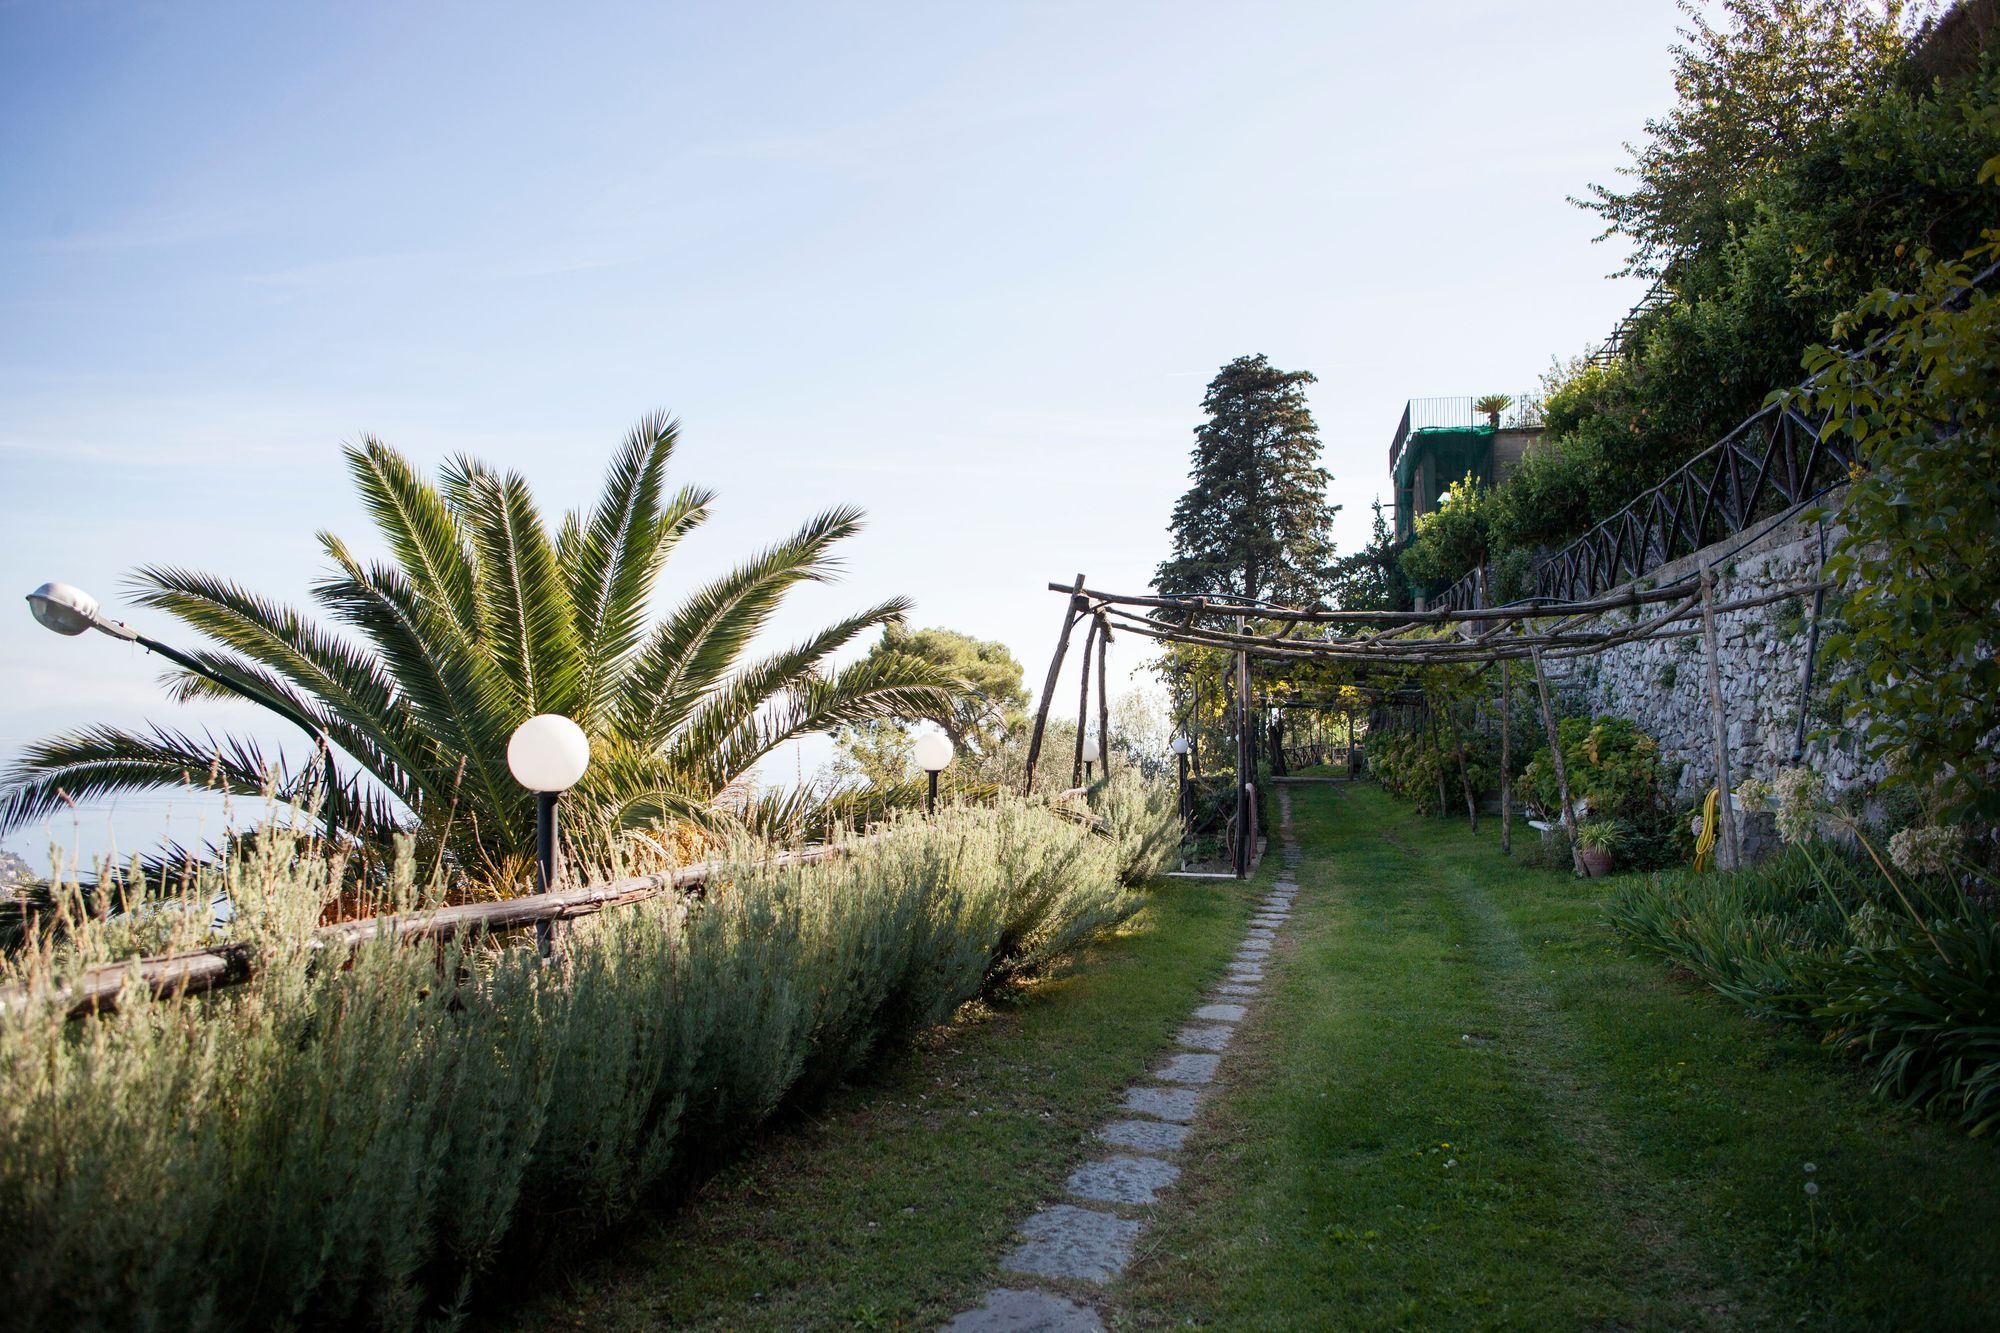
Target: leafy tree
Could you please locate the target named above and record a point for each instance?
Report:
(1752, 96)
(1452, 539)
(1921, 552)
(1255, 522)
(1370, 579)
(481, 618)
(988, 702)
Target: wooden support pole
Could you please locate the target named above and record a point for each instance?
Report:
(1506, 758)
(1244, 774)
(1464, 770)
(1562, 769)
(1049, 685)
(1083, 703)
(1103, 699)
(1726, 846)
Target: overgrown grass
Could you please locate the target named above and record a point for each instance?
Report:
(359, 1145)
(1465, 1104)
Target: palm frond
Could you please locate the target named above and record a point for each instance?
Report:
(872, 688)
(524, 607)
(103, 761)
(442, 677)
(610, 562)
(724, 709)
(689, 653)
(419, 527)
(401, 779)
(350, 692)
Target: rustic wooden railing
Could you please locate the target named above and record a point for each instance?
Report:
(97, 989)
(1773, 462)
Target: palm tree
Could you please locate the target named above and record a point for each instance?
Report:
(1492, 405)
(480, 620)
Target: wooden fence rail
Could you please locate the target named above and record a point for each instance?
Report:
(97, 989)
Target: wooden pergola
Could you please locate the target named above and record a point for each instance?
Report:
(1390, 643)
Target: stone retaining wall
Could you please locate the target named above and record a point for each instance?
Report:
(1662, 684)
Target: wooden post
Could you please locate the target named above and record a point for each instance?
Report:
(1464, 771)
(1244, 817)
(1506, 758)
(1103, 697)
(1049, 686)
(1083, 703)
(1562, 769)
(1726, 845)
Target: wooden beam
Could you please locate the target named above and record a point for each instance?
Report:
(1083, 700)
(1049, 685)
(1562, 769)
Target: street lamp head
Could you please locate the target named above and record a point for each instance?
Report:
(1180, 745)
(64, 609)
(932, 751)
(1091, 749)
(548, 753)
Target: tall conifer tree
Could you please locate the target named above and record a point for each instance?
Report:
(1255, 522)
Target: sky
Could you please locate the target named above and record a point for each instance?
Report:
(967, 266)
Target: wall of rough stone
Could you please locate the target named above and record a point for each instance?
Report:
(1662, 684)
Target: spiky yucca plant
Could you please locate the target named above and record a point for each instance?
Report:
(481, 619)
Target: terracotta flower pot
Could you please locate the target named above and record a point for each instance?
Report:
(1596, 862)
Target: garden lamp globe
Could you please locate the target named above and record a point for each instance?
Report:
(933, 754)
(547, 754)
(1179, 745)
(1091, 751)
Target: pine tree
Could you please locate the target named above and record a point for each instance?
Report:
(1255, 522)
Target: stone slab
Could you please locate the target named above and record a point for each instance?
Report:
(1007, 1311)
(1067, 1241)
(1221, 1013)
(1209, 1037)
(1188, 1069)
(1122, 1179)
(1243, 972)
(1239, 989)
(1254, 951)
(1145, 1135)
(1176, 1104)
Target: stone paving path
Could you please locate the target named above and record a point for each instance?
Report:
(1086, 1243)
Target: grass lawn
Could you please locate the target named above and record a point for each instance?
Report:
(1462, 1103)
(888, 1205)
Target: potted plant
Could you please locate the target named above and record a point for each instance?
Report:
(1595, 842)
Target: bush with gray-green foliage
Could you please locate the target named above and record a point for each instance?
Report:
(355, 1146)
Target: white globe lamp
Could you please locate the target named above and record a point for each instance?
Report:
(547, 754)
(933, 754)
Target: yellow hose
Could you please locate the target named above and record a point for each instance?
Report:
(1704, 846)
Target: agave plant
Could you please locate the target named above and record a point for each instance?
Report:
(481, 619)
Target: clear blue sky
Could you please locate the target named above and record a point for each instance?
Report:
(968, 266)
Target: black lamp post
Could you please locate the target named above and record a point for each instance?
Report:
(547, 754)
(68, 610)
(933, 754)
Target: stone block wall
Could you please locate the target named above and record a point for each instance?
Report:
(1662, 684)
